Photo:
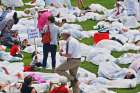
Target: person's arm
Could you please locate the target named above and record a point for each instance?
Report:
(65, 55)
(71, 50)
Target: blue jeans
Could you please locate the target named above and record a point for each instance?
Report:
(52, 49)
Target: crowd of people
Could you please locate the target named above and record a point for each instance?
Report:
(117, 29)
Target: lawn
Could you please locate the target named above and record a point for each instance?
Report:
(88, 25)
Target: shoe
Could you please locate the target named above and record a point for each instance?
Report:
(53, 71)
(71, 83)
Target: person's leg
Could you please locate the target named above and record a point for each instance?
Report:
(53, 55)
(82, 3)
(74, 67)
(45, 55)
(61, 70)
(73, 72)
(78, 3)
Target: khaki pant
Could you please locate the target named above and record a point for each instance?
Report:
(72, 66)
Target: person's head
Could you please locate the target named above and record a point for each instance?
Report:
(137, 43)
(65, 35)
(15, 33)
(28, 80)
(51, 19)
(25, 41)
(64, 21)
(33, 1)
(130, 74)
(16, 42)
(52, 4)
(35, 53)
(27, 11)
(9, 9)
(60, 23)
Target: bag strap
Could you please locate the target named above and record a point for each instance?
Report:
(48, 28)
(67, 47)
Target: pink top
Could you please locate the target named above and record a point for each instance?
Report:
(43, 19)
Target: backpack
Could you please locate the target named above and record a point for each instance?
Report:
(46, 37)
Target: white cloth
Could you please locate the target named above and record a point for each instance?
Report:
(130, 22)
(128, 58)
(110, 45)
(101, 58)
(138, 10)
(12, 72)
(111, 70)
(97, 8)
(40, 3)
(135, 65)
(11, 3)
(131, 7)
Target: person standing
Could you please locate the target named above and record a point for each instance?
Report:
(52, 45)
(72, 53)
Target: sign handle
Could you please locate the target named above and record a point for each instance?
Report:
(35, 44)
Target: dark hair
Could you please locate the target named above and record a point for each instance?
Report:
(0, 2)
(8, 8)
(35, 53)
(132, 76)
(64, 20)
(15, 17)
(51, 19)
(25, 85)
(137, 41)
(16, 42)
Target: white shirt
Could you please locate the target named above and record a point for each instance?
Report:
(74, 48)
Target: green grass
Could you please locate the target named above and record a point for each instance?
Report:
(26, 1)
(88, 41)
(107, 3)
(120, 53)
(27, 59)
(90, 67)
(87, 25)
(130, 90)
(23, 8)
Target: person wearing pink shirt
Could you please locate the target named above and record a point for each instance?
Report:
(41, 22)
